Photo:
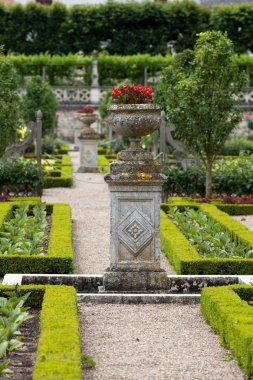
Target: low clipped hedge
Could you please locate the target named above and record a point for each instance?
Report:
(227, 310)
(62, 176)
(103, 163)
(184, 257)
(59, 351)
(59, 257)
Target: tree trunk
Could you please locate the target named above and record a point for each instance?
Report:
(209, 165)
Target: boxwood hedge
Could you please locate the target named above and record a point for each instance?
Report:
(59, 351)
(59, 257)
(184, 257)
(227, 310)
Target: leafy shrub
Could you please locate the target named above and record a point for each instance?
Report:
(39, 96)
(207, 235)
(50, 144)
(229, 177)
(12, 316)
(20, 172)
(113, 26)
(231, 317)
(184, 257)
(237, 145)
(23, 234)
(113, 69)
(10, 112)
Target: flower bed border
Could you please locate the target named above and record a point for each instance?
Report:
(184, 257)
(227, 311)
(59, 257)
(66, 177)
(59, 350)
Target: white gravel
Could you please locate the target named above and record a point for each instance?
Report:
(152, 342)
(246, 220)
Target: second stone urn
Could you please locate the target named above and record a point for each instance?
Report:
(88, 144)
(135, 185)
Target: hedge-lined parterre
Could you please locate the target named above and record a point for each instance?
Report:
(59, 351)
(59, 255)
(228, 311)
(183, 255)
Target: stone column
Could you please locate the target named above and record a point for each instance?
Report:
(77, 132)
(135, 186)
(88, 151)
(95, 92)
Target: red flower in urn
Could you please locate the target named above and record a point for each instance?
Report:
(130, 94)
(86, 110)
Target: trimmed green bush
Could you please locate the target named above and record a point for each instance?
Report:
(229, 177)
(227, 310)
(237, 145)
(236, 209)
(184, 257)
(59, 352)
(20, 172)
(62, 176)
(59, 257)
(128, 28)
(104, 163)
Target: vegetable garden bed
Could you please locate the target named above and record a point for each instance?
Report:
(59, 255)
(228, 311)
(184, 256)
(59, 351)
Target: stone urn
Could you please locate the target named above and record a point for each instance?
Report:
(135, 185)
(87, 119)
(134, 120)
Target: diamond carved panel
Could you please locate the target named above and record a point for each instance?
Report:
(135, 231)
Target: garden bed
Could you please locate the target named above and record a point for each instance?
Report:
(184, 256)
(59, 352)
(60, 173)
(59, 255)
(22, 360)
(228, 311)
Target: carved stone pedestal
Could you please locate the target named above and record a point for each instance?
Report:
(88, 152)
(77, 131)
(135, 186)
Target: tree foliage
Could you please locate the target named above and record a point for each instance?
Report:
(10, 111)
(200, 93)
(39, 96)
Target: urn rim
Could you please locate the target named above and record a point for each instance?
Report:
(134, 107)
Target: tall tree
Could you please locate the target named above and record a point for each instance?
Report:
(10, 106)
(39, 96)
(200, 93)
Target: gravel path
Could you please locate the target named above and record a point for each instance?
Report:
(89, 200)
(247, 220)
(152, 342)
(134, 342)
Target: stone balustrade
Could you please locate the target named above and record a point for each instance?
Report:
(71, 97)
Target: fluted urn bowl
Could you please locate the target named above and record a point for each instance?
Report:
(134, 120)
(87, 118)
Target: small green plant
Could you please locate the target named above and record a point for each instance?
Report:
(23, 234)
(208, 236)
(89, 362)
(12, 315)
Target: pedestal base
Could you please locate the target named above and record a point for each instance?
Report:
(135, 281)
(88, 169)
